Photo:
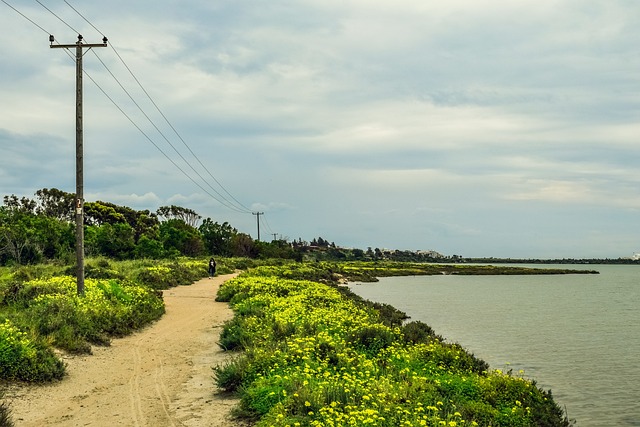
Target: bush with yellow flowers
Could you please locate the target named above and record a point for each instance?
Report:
(312, 356)
(107, 308)
(22, 358)
(45, 313)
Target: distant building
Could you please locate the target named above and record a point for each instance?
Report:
(432, 254)
(636, 257)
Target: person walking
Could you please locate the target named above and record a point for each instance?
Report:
(212, 267)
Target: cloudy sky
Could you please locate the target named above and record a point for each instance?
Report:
(470, 127)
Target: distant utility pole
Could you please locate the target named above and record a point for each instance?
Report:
(79, 205)
(257, 214)
(275, 236)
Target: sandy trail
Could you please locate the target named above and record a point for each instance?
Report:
(159, 377)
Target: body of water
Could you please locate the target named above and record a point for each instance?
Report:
(578, 335)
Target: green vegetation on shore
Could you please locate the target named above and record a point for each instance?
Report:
(291, 316)
(316, 355)
(369, 271)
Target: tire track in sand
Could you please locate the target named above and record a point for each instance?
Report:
(137, 415)
(161, 389)
(158, 377)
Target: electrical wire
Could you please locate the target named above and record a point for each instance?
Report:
(176, 132)
(25, 16)
(226, 203)
(107, 95)
(223, 201)
(82, 16)
(145, 135)
(266, 223)
(60, 19)
(241, 206)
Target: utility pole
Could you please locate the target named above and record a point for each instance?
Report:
(257, 214)
(275, 235)
(79, 205)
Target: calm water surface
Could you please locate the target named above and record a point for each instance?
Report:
(578, 335)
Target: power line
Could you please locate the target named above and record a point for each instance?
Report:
(82, 16)
(241, 206)
(266, 223)
(224, 201)
(60, 19)
(115, 104)
(25, 16)
(175, 130)
(178, 134)
(145, 135)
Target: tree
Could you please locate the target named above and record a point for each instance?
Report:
(56, 204)
(217, 237)
(277, 249)
(242, 245)
(17, 233)
(26, 237)
(143, 222)
(116, 240)
(358, 254)
(56, 237)
(180, 237)
(23, 204)
(99, 213)
(149, 248)
(189, 216)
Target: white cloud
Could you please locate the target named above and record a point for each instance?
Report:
(406, 122)
(137, 201)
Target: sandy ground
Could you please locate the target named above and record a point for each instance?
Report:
(158, 377)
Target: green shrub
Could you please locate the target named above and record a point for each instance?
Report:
(172, 274)
(226, 292)
(157, 277)
(371, 339)
(233, 335)
(22, 294)
(108, 308)
(23, 274)
(23, 358)
(419, 332)
(101, 268)
(389, 315)
(260, 398)
(230, 375)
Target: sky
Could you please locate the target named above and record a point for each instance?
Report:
(470, 127)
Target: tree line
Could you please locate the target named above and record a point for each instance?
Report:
(42, 228)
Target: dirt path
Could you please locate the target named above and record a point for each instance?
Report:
(158, 377)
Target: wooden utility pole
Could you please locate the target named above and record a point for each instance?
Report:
(79, 204)
(257, 214)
